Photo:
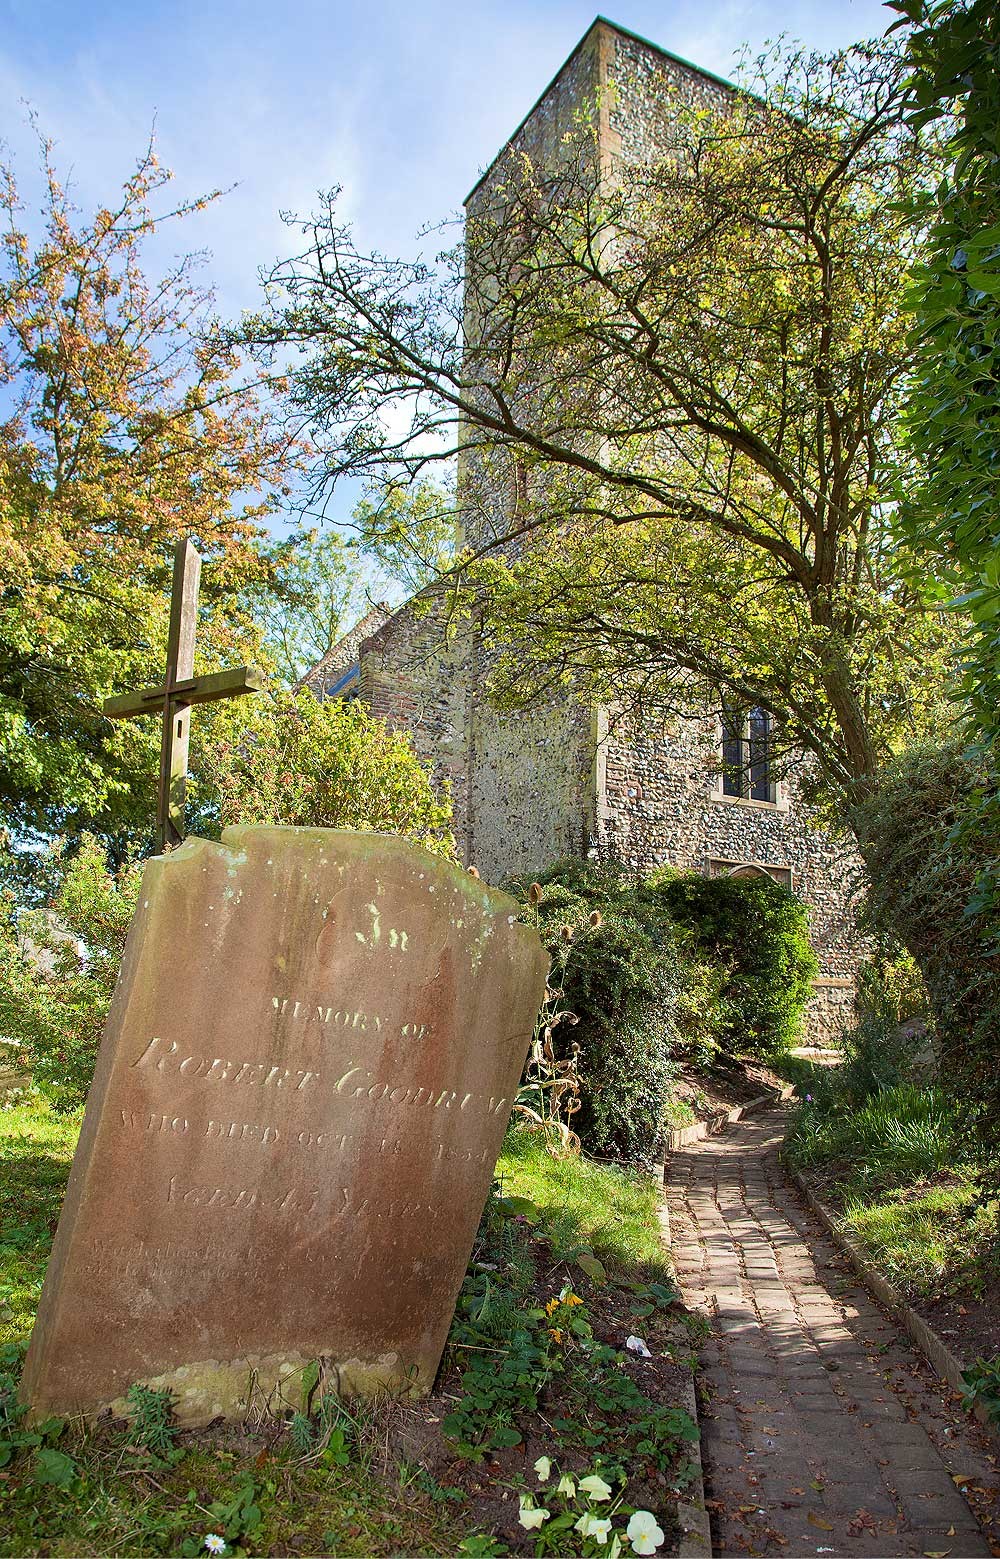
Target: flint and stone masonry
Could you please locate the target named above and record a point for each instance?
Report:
(568, 779)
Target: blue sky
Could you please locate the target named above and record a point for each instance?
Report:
(402, 104)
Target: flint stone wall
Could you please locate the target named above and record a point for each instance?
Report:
(660, 803)
(556, 781)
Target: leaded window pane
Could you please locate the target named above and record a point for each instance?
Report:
(732, 754)
(759, 755)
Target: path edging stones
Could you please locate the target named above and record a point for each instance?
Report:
(696, 1533)
(696, 1538)
(681, 1136)
(936, 1352)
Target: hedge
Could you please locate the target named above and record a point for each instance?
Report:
(927, 836)
(680, 967)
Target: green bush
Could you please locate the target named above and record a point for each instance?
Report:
(756, 935)
(620, 978)
(294, 759)
(58, 968)
(679, 967)
(882, 1046)
(926, 835)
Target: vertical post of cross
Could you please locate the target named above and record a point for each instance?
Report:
(176, 713)
(179, 690)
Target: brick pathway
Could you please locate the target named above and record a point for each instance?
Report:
(823, 1431)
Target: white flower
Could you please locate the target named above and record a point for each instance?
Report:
(593, 1526)
(543, 1467)
(636, 1345)
(566, 1486)
(531, 1516)
(595, 1488)
(214, 1543)
(643, 1532)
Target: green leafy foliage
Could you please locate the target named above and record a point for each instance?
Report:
(951, 514)
(758, 934)
(55, 1467)
(885, 1138)
(236, 1516)
(50, 1465)
(127, 423)
(152, 1419)
(894, 1159)
(58, 968)
(298, 760)
(522, 1356)
(409, 530)
(318, 595)
(678, 966)
(330, 1435)
(982, 1381)
(620, 978)
(953, 411)
(925, 834)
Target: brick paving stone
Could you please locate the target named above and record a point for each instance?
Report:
(829, 1434)
(848, 1498)
(945, 1542)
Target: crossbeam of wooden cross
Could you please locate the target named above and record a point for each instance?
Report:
(178, 691)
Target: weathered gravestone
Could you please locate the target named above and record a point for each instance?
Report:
(299, 1100)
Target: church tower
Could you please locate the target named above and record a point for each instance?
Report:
(566, 778)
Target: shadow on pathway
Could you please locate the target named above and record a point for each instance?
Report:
(823, 1431)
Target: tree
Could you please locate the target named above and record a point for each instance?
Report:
(952, 513)
(59, 964)
(409, 531)
(324, 582)
(953, 411)
(689, 371)
(129, 423)
(320, 592)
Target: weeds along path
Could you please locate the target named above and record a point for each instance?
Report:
(823, 1431)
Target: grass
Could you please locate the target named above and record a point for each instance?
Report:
(612, 1212)
(930, 1240)
(263, 1491)
(898, 1135)
(36, 1150)
(805, 1075)
(892, 1164)
(122, 1505)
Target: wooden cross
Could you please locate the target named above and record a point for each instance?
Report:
(180, 689)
